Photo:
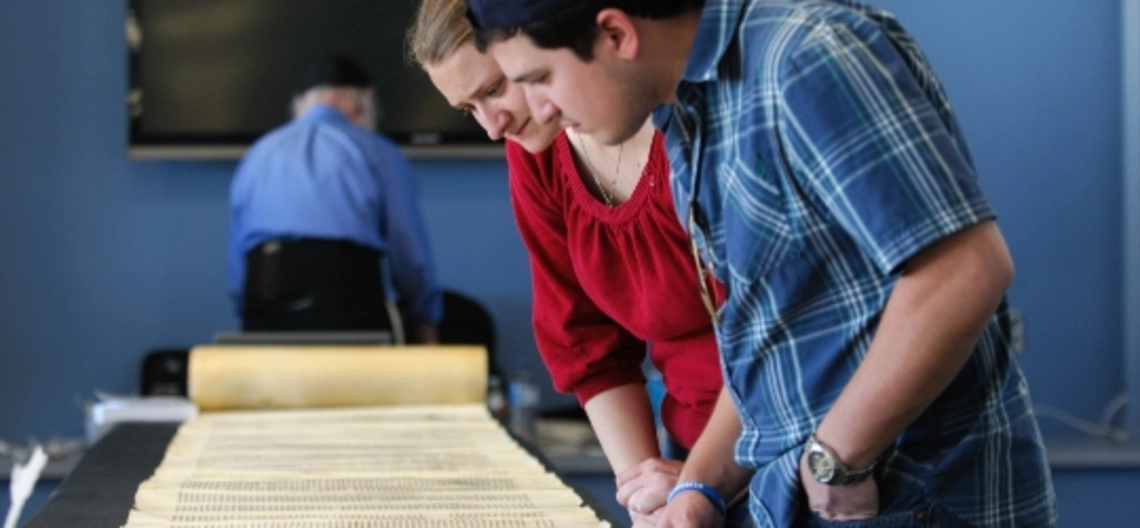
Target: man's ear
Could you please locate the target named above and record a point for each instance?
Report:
(617, 32)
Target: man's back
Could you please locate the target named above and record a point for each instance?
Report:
(313, 177)
(322, 178)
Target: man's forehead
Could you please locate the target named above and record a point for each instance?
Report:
(519, 56)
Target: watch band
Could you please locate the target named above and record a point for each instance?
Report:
(839, 474)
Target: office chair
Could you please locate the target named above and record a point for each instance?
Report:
(164, 372)
(467, 321)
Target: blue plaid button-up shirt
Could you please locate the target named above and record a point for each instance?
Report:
(823, 154)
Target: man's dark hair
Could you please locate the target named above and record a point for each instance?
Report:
(576, 28)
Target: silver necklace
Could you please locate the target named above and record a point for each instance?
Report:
(606, 196)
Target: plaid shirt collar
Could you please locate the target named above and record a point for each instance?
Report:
(717, 28)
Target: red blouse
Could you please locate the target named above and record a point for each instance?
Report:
(608, 281)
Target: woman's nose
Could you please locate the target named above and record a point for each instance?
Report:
(494, 121)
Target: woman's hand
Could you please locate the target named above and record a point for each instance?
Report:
(643, 488)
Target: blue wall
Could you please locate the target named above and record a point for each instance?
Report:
(104, 258)
(1036, 85)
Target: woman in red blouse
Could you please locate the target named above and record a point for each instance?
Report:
(612, 273)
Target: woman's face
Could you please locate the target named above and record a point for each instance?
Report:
(472, 82)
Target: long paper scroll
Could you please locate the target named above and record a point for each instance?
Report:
(355, 465)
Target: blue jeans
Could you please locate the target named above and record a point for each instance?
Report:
(928, 517)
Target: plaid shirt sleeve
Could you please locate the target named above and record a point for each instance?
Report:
(871, 148)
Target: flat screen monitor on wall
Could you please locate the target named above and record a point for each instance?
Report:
(208, 77)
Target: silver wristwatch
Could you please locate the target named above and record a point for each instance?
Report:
(827, 469)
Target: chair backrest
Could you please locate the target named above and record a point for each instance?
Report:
(164, 372)
(467, 321)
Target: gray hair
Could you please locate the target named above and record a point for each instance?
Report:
(360, 98)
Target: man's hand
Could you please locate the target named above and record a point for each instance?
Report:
(840, 503)
(689, 510)
(642, 520)
(643, 488)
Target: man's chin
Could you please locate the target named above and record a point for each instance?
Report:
(534, 145)
(612, 138)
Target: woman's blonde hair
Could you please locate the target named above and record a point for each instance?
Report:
(439, 29)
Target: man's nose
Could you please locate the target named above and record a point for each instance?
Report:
(542, 109)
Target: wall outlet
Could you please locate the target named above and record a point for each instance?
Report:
(1017, 330)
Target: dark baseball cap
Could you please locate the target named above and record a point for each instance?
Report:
(499, 14)
(336, 70)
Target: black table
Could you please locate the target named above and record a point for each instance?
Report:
(100, 491)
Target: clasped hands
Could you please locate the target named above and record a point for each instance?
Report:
(644, 488)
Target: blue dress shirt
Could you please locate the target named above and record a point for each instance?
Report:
(320, 176)
(823, 154)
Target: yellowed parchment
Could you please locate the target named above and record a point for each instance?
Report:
(253, 377)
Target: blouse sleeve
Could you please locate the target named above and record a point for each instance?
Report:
(585, 350)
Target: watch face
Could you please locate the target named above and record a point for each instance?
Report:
(821, 466)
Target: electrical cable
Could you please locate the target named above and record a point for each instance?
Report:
(1104, 429)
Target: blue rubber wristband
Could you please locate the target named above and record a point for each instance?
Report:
(706, 490)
